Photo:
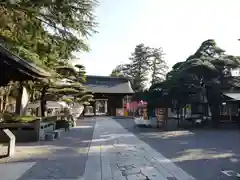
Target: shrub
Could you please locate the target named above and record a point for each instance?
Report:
(7, 117)
(11, 118)
(49, 118)
(25, 119)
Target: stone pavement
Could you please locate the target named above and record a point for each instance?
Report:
(61, 159)
(206, 154)
(117, 154)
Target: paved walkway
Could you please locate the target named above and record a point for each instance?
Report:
(117, 154)
(62, 159)
(114, 154)
(205, 154)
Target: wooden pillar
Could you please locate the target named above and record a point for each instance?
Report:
(84, 109)
(94, 108)
(106, 106)
(230, 111)
(19, 99)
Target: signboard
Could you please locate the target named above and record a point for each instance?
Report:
(160, 114)
(119, 112)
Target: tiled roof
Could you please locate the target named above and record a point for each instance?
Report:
(15, 68)
(39, 71)
(108, 84)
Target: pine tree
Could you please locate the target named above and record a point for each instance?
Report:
(46, 31)
(122, 70)
(203, 73)
(69, 87)
(158, 66)
(139, 67)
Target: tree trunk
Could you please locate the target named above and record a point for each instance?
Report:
(31, 95)
(1, 101)
(5, 103)
(43, 101)
(214, 100)
(215, 111)
(178, 116)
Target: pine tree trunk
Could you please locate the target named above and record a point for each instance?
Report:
(214, 101)
(215, 111)
(4, 104)
(43, 101)
(1, 101)
(178, 116)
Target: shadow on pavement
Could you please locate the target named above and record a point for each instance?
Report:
(64, 158)
(202, 153)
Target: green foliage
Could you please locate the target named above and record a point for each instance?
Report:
(69, 87)
(157, 65)
(122, 70)
(139, 68)
(49, 118)
(143, 61)
(46, 33)
(11, 118)
(202, 74)
(25, 119)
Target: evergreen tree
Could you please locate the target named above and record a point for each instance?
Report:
(46, 33)
(122, 70)
(204, 72)
(158, 66)
(139, 67)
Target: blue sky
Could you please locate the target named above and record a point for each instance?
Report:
(178, 26)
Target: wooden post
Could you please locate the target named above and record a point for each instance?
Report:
(19, 99)
(94, 107)
(230, 112)
(166, 117)
(106, 106)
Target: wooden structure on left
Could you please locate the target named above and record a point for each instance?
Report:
(14, 68)
(111, 94)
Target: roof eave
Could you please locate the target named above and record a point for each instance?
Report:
(40, 73)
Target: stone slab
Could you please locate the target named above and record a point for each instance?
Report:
(125, 156)
(14, 171)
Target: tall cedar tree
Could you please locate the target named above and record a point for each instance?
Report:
(139, 67)
(157, 65)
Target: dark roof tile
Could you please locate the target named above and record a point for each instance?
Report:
(108, 84)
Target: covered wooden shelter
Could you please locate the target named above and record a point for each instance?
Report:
(14, 68)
